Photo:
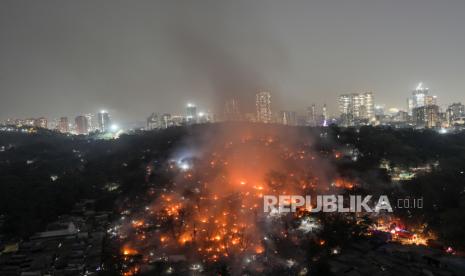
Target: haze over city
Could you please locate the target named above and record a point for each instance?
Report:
(61, 58)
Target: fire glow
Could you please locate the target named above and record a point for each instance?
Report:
(213, 209)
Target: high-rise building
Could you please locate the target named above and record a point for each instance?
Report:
(154, 122)
(419, 116)
(166, 120)
(41, 122)
(366, 106)
(63, 125)
(410, 106)
(324, 116)
(91, 122)
(263, 107)
(288, 118)
(432, 116)
(456, 110)
(426, 116)
(356, 108)
(177, 120)
(346, 109)
(400, 116)
(430, 100)
(455, 113)
(104, 121)
(423, 108)
(231, 110)
(191, 113)
(311, 115)
(53, 124)
(419, 95)
(419, 98)
(82, 125)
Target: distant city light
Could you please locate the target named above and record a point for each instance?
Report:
(393, 109)
(114, 127)
(183, 166)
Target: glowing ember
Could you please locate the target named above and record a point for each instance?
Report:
(129, 251)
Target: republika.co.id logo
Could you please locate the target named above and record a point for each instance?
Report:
(335, 203)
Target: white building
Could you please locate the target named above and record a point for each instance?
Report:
(356, 108)
(263, 107)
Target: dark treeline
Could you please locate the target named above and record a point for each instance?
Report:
(30, 198)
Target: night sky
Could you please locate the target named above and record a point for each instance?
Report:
(64, 58)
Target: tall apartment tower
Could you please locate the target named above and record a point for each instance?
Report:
(103, 121)
(311, 115)
(191, 113)
(419, 98)
(325, 116)
(82, 125)
(231, 110)
(356, 108)
(263, 107)
(63, 125)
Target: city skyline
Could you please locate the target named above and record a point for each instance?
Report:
(64, 59)
(418, 95)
